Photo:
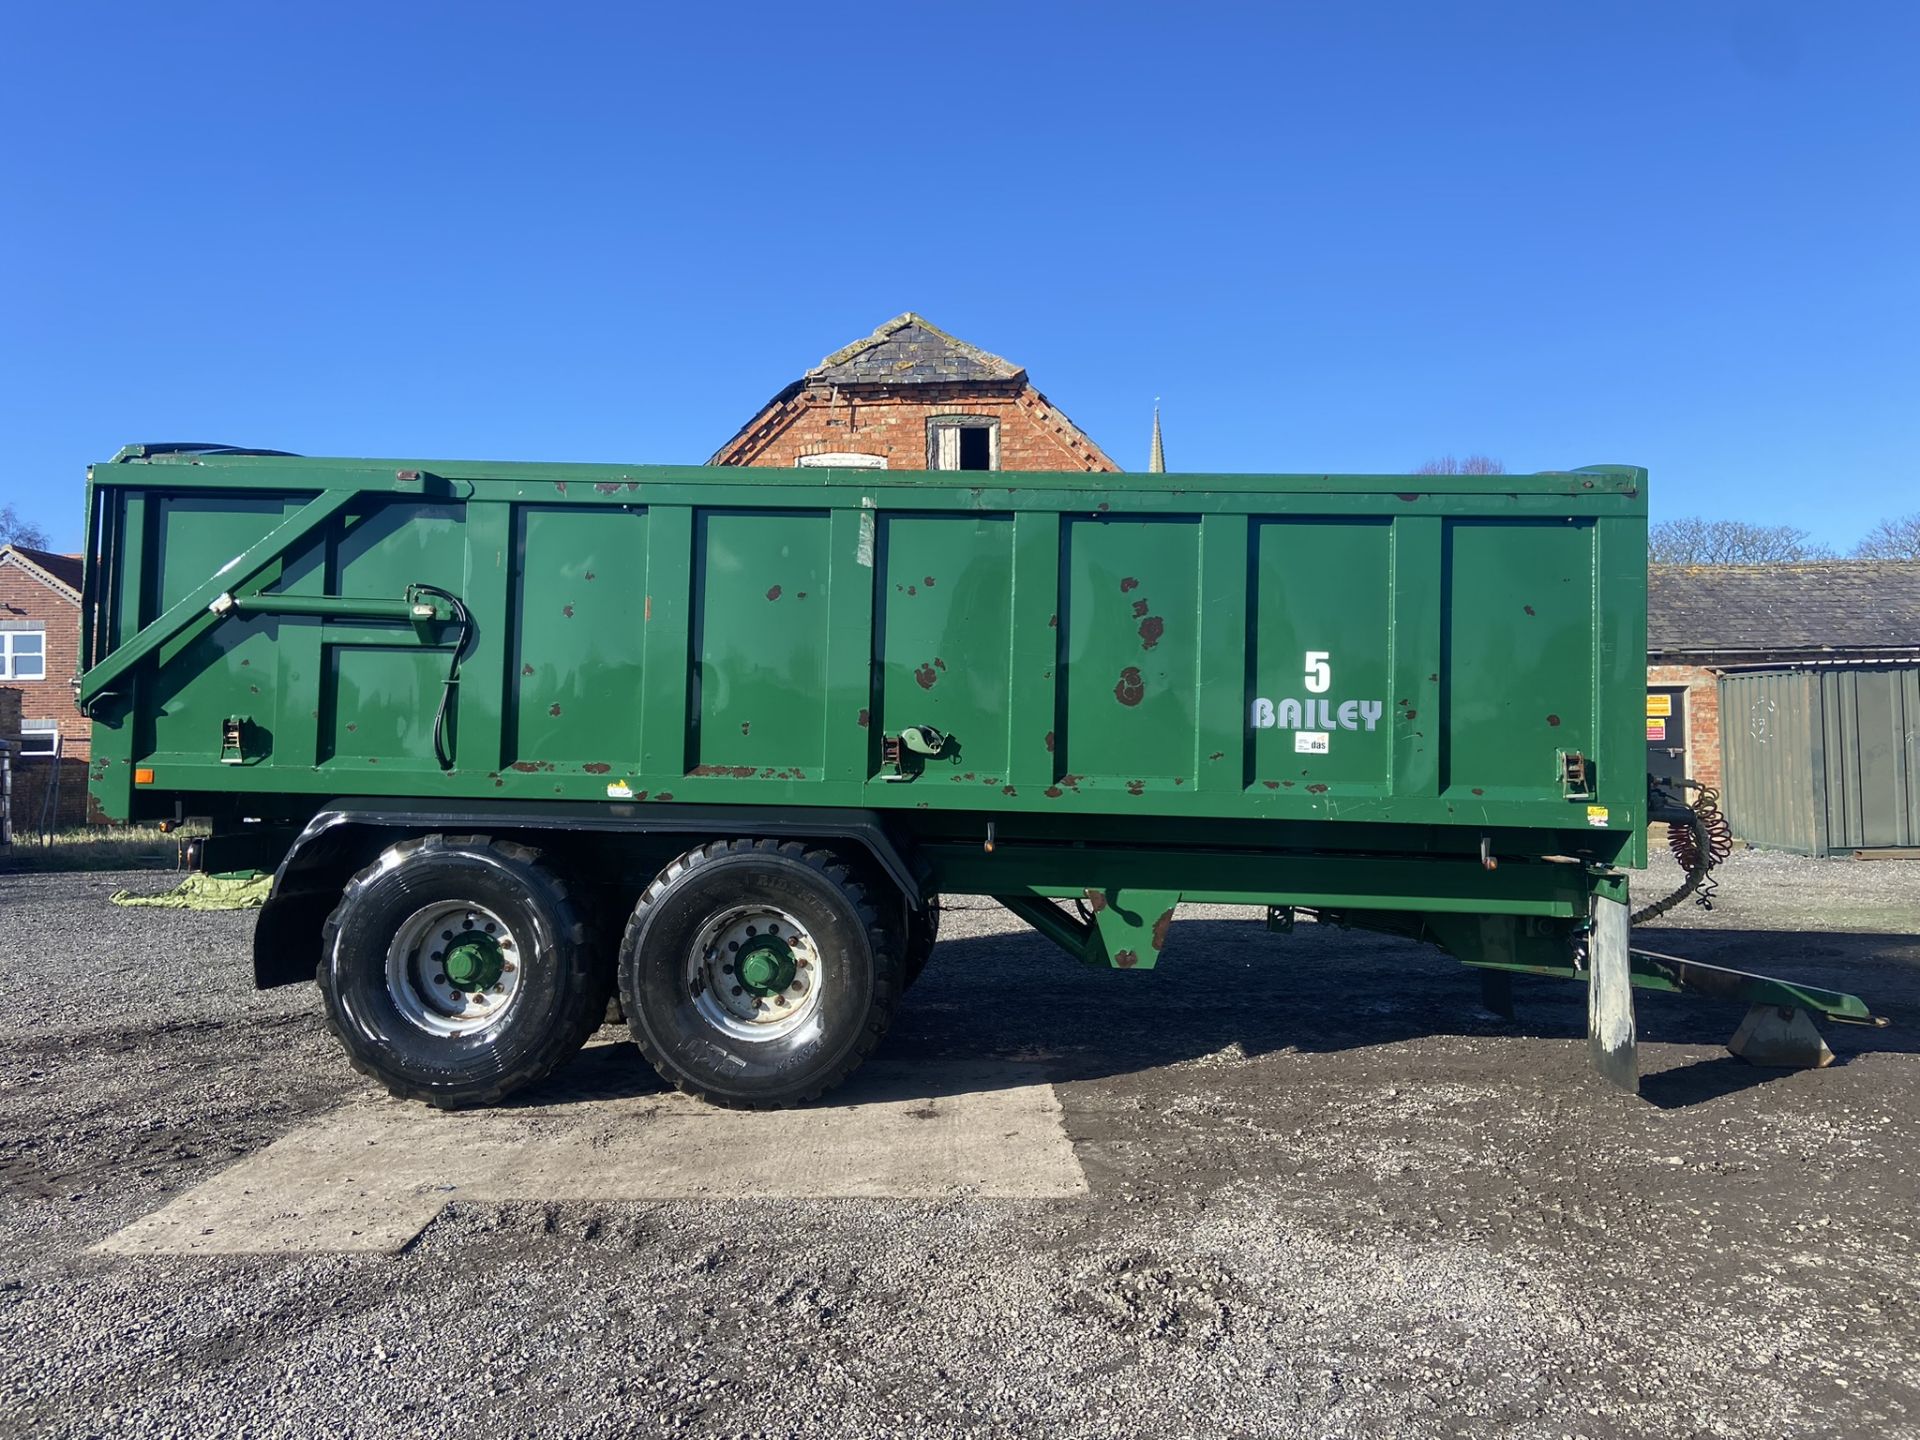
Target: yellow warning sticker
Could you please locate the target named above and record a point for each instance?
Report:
(1659, 704)
(1597, 816)
(1656, 729)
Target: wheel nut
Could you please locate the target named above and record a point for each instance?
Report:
(738, 991)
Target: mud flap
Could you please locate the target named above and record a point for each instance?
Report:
(1611, 1041)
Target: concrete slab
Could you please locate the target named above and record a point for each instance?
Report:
(373, 1174)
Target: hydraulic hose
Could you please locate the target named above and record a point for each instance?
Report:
(461, 617)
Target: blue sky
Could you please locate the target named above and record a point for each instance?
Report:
(1330, 237)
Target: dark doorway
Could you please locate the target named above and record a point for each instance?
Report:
(1666, 734)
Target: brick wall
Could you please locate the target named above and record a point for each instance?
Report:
(892, 423)
(26, 597)
(1703, 716)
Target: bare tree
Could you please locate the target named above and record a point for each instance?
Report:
(15, 531)
(1694, 541)
(1472, 465)
(1896, 539)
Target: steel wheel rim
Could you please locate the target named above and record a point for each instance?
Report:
(754, 973)
(454, 969)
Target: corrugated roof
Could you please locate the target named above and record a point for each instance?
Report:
(66, 569)
(1829, 605)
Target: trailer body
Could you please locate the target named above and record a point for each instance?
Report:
(1407, 702)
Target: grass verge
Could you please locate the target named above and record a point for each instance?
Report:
(126, 847)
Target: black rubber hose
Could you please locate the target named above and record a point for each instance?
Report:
(464, 620)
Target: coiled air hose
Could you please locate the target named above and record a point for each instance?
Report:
(1700, 844)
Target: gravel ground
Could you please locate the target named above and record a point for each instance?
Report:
(1330, 1197)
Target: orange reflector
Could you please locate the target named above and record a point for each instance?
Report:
(143, 776)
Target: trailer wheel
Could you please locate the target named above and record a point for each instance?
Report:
(455, 971)
(757, 974)
(923, 928)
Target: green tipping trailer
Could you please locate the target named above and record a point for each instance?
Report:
(514, 736)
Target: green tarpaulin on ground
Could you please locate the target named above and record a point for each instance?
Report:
(239, 890)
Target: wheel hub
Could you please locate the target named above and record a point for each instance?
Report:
(765, 965)
(475, 962)
(754, 973)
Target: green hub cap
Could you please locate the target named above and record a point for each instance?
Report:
(474, 962)
(765, 965)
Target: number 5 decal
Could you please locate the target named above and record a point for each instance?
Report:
(1318, 676)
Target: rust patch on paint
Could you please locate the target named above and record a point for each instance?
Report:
(1160, 928)
(1478, 791)
(746, 727)
(1179, 779)
(1554, 720)
(773, 592)
(1101, 508)
(1151, 629)
(567, 610)
(1053, 622)
(561, 486)
(1272, 784)
(927, 580)
(1316, 789)
(663, 795)
(1052, 792)
(596, 767)
(1409, 495)
(526, 669)
(590, 575)
(864, 720)
(1049, 742)
(646, 611)
(925, 676)
(1411, 712)
(800, 595)
(938, 663)
(1126, 959)
(554, 710)
(525, 767)
(352, 725)
(1139, 609)
(737, 772)
(1217, 755)
(1008, 790)
(1287, 783)
(1136, 787)
(1130, 688)
(968, 775)
(1096, 900)
(1128, 583)
(913, 590)
(607, 487)
(1527, 608)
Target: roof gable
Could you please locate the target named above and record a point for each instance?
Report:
(907, 350)
(59, 572)
(1833, 605)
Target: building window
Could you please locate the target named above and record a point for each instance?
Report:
(23, 655)
(39, 737)
(963, 442)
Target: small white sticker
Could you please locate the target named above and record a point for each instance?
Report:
(619, 790)
(1309, 742)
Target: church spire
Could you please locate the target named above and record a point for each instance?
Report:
(1157, 461)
